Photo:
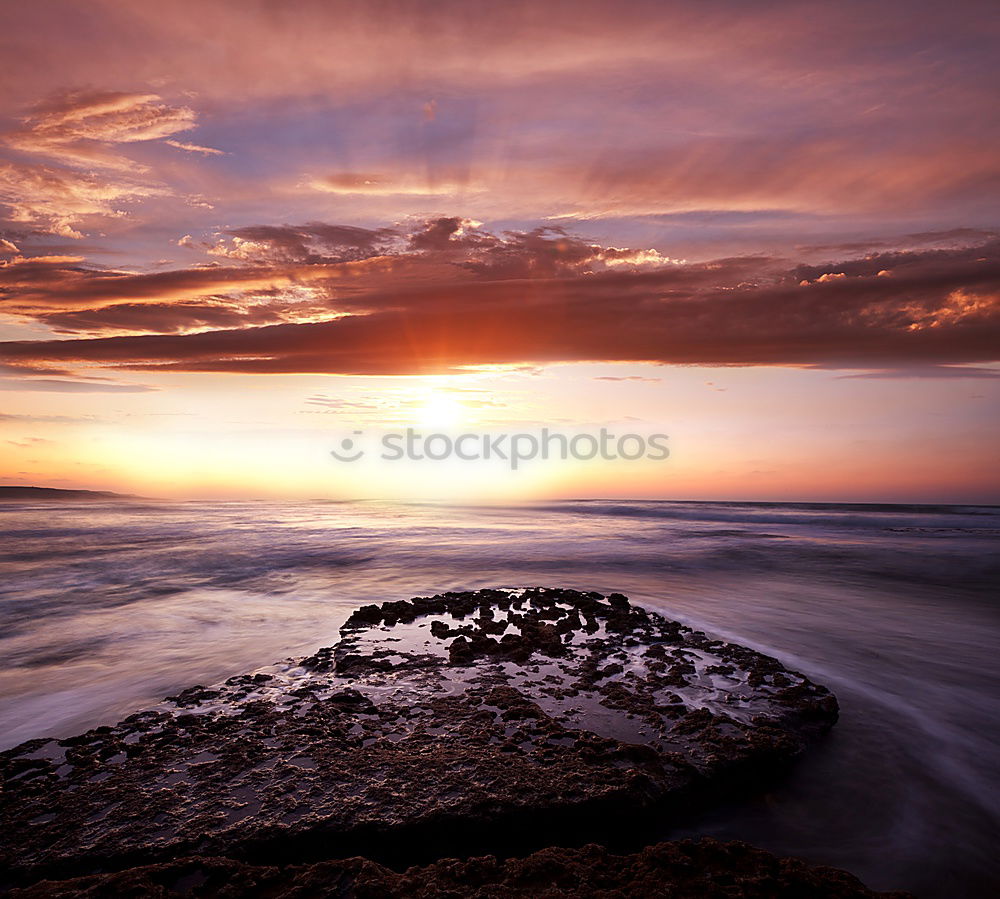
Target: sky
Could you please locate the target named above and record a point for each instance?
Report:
(234, 235)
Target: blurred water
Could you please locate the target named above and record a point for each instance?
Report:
(106, 607)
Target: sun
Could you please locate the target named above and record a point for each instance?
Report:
(438, 410)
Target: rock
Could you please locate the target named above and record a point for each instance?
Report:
(680, 870)
(440, 629)
(365, 615)
(418, 729)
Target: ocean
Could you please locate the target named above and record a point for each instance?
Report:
(107, 607)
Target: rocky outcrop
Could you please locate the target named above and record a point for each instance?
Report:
(457, 720)
(680, 870)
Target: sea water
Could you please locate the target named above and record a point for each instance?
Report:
(108, 607)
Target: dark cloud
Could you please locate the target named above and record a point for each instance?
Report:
(159, 317)
(317, 256)
(456, 295)
(438, 234)
(39, 286)
(312, 243)
(543, 252)
(928, 266)
(929, 371)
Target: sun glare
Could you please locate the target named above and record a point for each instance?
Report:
(438, 410)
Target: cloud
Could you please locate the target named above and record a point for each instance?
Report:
(159, 317)
(50, 385)
(32, 370)
(78, 127)
(41, 285)
(295, 273)
(30, 442)
(401, 404)
(929, 371)
(657, 109)
(43, 419)
(962, 237)
(457, 296)
(35, 376)
(822, 170)
(67, 163)
(817, 172)
(57, 200)
(388, 185)
(330, 404)
(195, 148)
(311, 243)
(541, 252)
(637, 378)
(314, 47)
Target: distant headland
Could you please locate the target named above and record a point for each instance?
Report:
(55, 494)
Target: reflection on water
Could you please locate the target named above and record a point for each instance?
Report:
(105, 608)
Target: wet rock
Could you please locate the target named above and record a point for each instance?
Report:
(364, 616)
(681, 870)
(417, 728)
(440, 629)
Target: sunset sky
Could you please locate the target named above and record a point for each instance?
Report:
(233, 233)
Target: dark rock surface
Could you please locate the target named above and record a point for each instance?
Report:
(680, 870)
(452, 721)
